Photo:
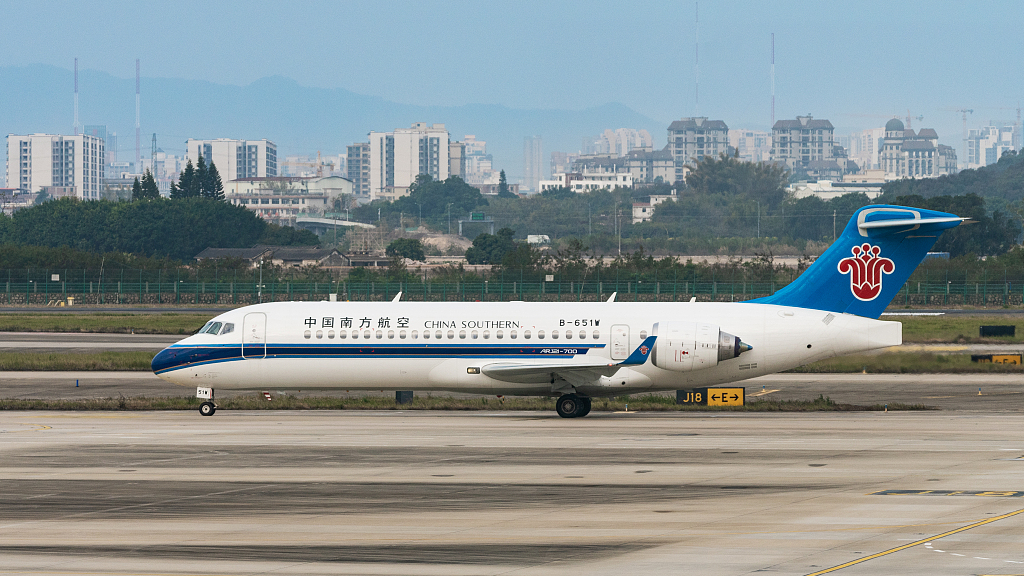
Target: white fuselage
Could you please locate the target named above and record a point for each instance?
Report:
(428, 346)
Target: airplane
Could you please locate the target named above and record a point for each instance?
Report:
(574, 351)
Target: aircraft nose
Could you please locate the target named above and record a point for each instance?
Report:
(164, 359)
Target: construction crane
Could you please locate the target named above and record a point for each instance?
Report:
(965, 112)
(909, 118)
(319, 164)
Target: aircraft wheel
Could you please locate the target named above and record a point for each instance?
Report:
(207, 409)
(568, 405)
(584, 406)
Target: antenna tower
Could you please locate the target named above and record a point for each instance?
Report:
(138, 132)
(153, 153)
(696, 53)
(773, 82)
(77, 125)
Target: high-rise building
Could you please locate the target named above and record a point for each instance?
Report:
(985, 145)
(397, 158)
(751, 145)
(691, 139)
(906, 154)
(798, 143)
(533, 162)
(864, 147)
(479, 164)
(235, 158)
(109, 141)
(457, 159)
(58, 165)
(619, 142)
(359, 168)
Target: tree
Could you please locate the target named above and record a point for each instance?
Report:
(491, 248)
(406, 248)
(149, 189)
(503, 191)
(187, 186)
(136, 190)
(214, 186)
(202, 179)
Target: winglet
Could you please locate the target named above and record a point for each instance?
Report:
(641, 354)
(612, 298)
(397, 297)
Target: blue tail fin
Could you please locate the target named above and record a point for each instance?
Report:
(866, 266)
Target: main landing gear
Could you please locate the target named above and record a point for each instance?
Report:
(572, 406)
(207, 408)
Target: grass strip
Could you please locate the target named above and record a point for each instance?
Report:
(90, 361)
(907, 363)
(166, 323)
(645, 403)
(959, 328)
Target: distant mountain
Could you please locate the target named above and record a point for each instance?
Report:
(301, 120)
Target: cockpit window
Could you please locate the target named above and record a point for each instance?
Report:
(228, 327)
(214, 328)
(204, 328)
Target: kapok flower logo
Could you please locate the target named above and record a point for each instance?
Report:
(865, 268)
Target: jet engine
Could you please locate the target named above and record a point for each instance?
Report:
(688, 346)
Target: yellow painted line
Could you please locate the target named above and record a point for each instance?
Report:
(763, 393)
(912, 544)
(37, 428)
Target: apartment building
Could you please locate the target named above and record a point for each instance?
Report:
(235, 158)
(985, 145)
(691, 139)
(359, 168)
(283, 199)
(58, 165)
(397, 158)
(798, 143)
(908, 154)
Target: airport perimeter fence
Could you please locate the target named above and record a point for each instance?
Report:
(59, 292)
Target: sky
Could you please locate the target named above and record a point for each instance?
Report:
(855, 63)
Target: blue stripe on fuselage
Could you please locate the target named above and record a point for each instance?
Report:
(177, 357)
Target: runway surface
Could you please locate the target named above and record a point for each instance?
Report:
(79, 342)
(513, 493)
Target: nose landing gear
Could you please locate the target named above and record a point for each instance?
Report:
(572, 406)
(207, 408)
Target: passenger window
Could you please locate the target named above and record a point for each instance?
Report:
(426, 334)
(391, 335)
(568, 334)
(307, 334)
(415, 334)
(474, 335)
(554, 334)
(596, 335)
(583, 334)
(540, 334)
(499, 334)
(355, 334)
(437, 335)
(487, 334)
(401, 335)
(229, 327)
(643, 335)
(512, 334)
(526, 334)
(342, 334)
(366, 334)
(462, 334)
(320, 334)
(330, 334)
(379, 334)
(451, 334)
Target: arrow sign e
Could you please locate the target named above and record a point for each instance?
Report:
(735, 397)
(714, 397)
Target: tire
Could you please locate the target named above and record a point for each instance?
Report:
(584, 407)
(207, 409)
(568, 405)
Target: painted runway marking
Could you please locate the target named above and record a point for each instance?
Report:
(922, 541)
(987, 493)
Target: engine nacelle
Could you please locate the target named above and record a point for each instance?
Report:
(688, 346)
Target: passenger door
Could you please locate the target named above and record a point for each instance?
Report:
(620, 342)
(254, 335)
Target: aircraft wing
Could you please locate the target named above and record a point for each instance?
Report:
(574, 372)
